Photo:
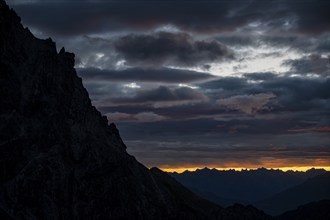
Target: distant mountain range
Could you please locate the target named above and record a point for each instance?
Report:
(273, 191)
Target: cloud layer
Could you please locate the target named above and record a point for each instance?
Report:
(85, 17)
(170, 49)
(202, 83)
(164, 75)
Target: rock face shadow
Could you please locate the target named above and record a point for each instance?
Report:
(59, 158)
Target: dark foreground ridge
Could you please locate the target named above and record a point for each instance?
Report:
(310, 211)
(59, 158)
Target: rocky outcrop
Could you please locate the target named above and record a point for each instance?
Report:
(59, 158)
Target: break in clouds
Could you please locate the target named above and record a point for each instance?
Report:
(202, 83)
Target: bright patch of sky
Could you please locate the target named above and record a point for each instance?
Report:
(132, 85)
(168, 28)
(251, 59)
(256, 59)
(189, 86)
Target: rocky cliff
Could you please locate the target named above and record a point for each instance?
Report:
(59, 158)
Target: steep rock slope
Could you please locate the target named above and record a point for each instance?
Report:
(59, 158)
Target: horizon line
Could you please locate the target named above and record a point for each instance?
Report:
(239, 169)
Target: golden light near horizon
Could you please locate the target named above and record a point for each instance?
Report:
(266, 163)
(297, 168)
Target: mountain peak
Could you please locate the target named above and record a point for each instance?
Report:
(59, 158)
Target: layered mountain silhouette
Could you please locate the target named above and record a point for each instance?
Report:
(313, 189)
(272, 191)
(59, 158)
(310, 211)
(246, 186)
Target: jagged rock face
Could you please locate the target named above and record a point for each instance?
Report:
(59, 158)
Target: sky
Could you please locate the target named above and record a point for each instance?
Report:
(192, 83)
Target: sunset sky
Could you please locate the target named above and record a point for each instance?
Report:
(221, 83)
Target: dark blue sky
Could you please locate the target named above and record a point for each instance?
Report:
(222, 83)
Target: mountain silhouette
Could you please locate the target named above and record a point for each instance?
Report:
(313, 189)
(247, 186)
(59, 158)
(312, 211)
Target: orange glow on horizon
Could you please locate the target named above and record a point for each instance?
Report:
(294, 168)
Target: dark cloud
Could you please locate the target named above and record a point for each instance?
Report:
(323, 43)
(143, 74)
(237, 40)
(290, 90)
(207, 129)
(317, 129)
(260, 76)
(272, 106)
(299, 93)
(226, 83)
(240, 151)
(161, 97)
(249, 104)
(164, 48)
(174, 112)
(312, 64)
(313, 16)
(139, 117)
(227, 98)
(84, 17)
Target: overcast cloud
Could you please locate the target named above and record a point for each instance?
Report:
(196, 83)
